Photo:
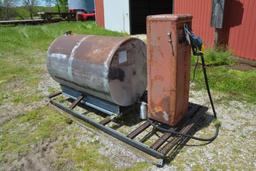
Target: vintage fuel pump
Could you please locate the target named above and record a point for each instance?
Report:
(170, 41)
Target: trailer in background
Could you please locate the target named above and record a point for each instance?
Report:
(84, 9)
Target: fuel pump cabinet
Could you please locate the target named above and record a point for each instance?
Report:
(168, 65)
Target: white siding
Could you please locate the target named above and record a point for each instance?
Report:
(116, 15)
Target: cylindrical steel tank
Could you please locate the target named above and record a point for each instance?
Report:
(86, 5)
(111, 68)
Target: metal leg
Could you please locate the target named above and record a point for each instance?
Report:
(54, 94)
(106, 120)
(161, 141)
(76, 102)
(139, 130)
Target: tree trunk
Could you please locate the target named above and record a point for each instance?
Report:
(31, 12)
(6, 13)
(58, 6)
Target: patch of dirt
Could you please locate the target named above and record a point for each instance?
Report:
(243, 67)
(43, 156)
(46, 84)
(16, 83)
(10, 110)
(119, 155)
(39, 159)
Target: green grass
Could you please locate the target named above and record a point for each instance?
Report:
(35, 127)
(215, 57)
(19, 135)
(240, 85)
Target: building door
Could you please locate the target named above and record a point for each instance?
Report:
(116, 15)
(140, 9)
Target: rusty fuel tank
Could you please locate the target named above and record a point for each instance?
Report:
(168, 68)
(110, 68)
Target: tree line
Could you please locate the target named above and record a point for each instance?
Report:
(22, 9)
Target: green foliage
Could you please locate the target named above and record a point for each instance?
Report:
(63, 5)
(21, 12)
(238, 84)
(216, 57)
(21, 134)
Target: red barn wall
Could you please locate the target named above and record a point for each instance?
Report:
(99, 9)
(241, 21)
(239, 24)
(201, 11)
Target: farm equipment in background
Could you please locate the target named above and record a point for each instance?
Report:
(79, 10)
(49, 16)
(83, 9)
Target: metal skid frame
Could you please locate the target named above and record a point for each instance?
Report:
(160, 148)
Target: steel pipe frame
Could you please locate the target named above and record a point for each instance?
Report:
(138, 145)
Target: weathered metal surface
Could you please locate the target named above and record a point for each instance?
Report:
(93, 102)
(168, 67)
(139, 130)
(54, 94)
(161, 141)
(111, 68)
(106, 120)
(76, 102)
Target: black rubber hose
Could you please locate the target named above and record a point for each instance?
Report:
(207, 85)
(187, 135)
(212, 106)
